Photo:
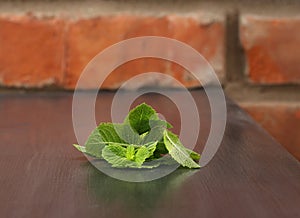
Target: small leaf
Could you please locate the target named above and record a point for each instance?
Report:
(194, 155)
(178, 151)
(122, 157)
(141, 155)
(145, 152)
(116, 155)
(117, 149)
(130, 152)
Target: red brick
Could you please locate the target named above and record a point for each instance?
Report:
(88, 37)
(133, 68)
(281, 120)
(31, 51)
(272, 47)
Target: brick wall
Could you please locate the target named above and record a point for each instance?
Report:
(252, 45)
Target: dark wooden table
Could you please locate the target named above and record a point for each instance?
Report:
(42, 175)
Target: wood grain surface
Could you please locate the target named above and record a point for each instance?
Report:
(42, 175)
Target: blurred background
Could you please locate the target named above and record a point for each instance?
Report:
(254, 47)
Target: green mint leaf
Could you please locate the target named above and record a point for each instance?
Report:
(141, 155)
(127, 134)
(80, 148)
(116, 155)
(130, 151)
(156, 133)
(144, 152)
(194, 155)
(98, 139)
(104, 133)
(139, 118)
(125, 145)
(178, 151)
(145, 122)
(151, 146)
(108, 132)
(160, 150)
(169, 125)
(94, 144)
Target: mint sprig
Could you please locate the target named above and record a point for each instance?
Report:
(141, 141)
